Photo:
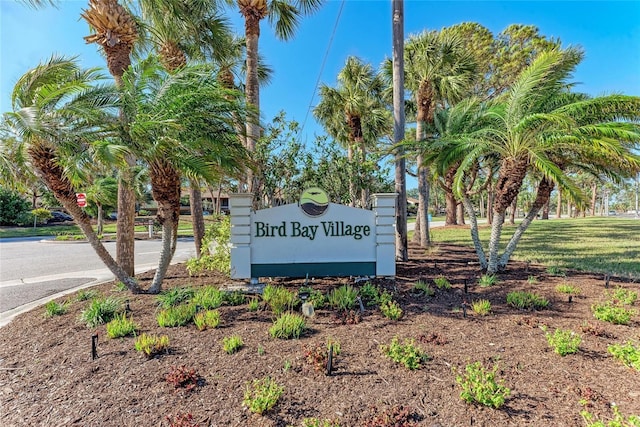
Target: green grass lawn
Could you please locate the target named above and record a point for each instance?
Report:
(605, 245)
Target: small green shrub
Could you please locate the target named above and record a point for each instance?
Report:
(151, 345)
(526, 300)
(215, 251)
(564, 341)
(208, 297)
(121, 326)
(391, 310)
(315, 422)
(318, 355)
(555, 270)
(176, 316)
(618, 420)
(254, 304)
(232, 344)
(343, 298)
(234, 298)
(54, 308)
(173, 297)
(424, 288)
(532, 280)
(85, 295)
(481, 307)
(262, 395)
(565, 288)
(101, 311)
(623, 296)
(207, 319)
(487, 280)
(480, 386)
(279, 298)
(627, 353)
(120, 287)
(442, 282)
(315, 297)
(406, 354)
(370, 294)
(287, 326)
(609, 312)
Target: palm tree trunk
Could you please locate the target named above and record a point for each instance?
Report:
(352, 184)
(125, 231)
(197, 216)
(423, 206)
(459, 213)
(100, 225)
(559, 204)
(594, 197)
(494, 241)
(402, 253)
(545, 210)
(475, 237)
(252, 90)
(512, 213)
(166, 253)
(545, 188)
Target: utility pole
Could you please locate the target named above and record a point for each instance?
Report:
(402, 253)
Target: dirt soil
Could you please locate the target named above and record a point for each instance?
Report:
(48, 376)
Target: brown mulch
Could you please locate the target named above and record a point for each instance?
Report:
(48, 377)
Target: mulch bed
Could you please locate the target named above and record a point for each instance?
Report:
(48, 377)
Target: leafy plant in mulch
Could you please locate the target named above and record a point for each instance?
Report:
(526, 300)
(54, 308)
(87, 294)
(232, 344)
(315, 422)
(207, 319)
(621, 296)
(487, 280)
(287, 326)
(183, 378)
(234, 298)
(173, 297)
(279, 298)
(442, 282)
(479, 385)
(595, 330)
(423, 288)
(555, 270)
(481, 307)
(619, 420)
(566, 288)
(121, 326)
(395, 416)
(181, 420)
(101, 310)
(261, 395)
(532, 280)
(348, 317)
(151, 345)
(254, 304)
(433, 338)
(208, 297)
(315, 297)
(391, 310)
(370, 294)
(607, 311)
(564, 341)
(318, 355)
(120, 287)
(627, 353)
(407, 354)
(176, 316)
(343, 298)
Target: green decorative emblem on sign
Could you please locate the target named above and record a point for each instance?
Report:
(314, 202)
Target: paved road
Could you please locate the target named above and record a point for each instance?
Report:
(32, 270)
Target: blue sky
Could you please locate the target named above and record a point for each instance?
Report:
(609, 32)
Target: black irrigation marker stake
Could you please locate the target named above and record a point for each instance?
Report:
(466, 289)
(527, 268)
(570, 298)
(606, 280)
(330, 360)
(361, 305)
(127, 309)
(464, 309)
(94, 347)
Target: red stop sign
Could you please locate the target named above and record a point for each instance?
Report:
(81, 198)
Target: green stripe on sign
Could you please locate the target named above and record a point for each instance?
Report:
(314, 269)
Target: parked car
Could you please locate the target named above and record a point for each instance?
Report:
(57, 216)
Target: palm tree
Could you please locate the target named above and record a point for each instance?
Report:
(354, 113)
(56, 113)
(181, 123)
(438, 72)
(116, 31)
(284, 15)
(539, 125)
